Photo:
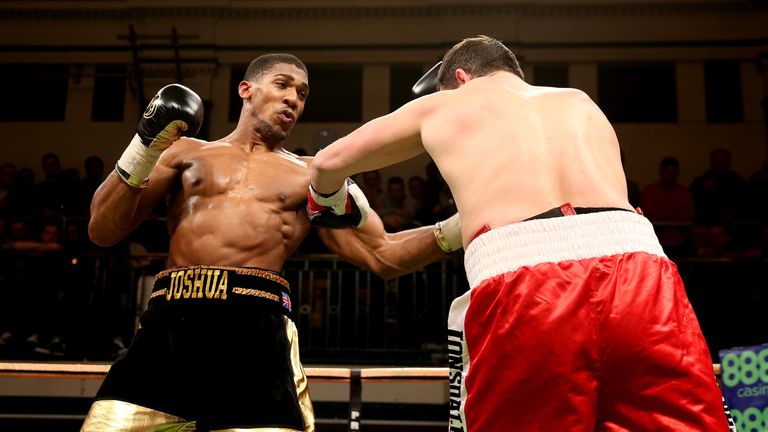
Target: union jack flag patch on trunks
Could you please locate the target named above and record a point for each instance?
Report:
(286, 301)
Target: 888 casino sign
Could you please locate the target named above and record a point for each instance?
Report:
(744, 382)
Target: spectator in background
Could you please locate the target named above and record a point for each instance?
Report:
(49, 193)
(758, 192)
(393, 213)
(439, 199)
(719, 194)
(416, 199)
(22, 197)
(36, 295)
(86, 187)
(370, 183)
(7, 185)
(669, 205)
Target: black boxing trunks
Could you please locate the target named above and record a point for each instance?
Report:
(216, 346)
(577, 323)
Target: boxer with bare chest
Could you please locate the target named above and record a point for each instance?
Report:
(236, 212)
(575, 318)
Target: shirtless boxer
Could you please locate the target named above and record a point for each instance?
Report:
(575, 320)
(217, 348)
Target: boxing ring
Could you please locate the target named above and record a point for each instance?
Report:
(344, 384)
(349, 381)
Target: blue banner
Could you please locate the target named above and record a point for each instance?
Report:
(744, 382)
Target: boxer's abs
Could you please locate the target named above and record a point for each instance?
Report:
(242, 235)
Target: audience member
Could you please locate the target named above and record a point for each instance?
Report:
(34, 296)
(7, 185)
(22, 197)
(719, 193)
(438, 195)
(758, 192)
(415, 201)
(669, 205)
(393, 212)
(370, 184)
(49, 192)
(86, 187)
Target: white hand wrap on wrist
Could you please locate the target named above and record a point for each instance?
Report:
(137, 162)
(448, 233)
(337, 201)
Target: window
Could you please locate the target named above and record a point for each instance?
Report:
(108, 93)
(335, 95)
(550, 75)
(722, 83)
(401, 80)
(235, 103)
(637, 93)
(34, 92)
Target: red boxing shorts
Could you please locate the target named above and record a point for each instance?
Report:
(577, 323)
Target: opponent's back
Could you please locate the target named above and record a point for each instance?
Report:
(509, 150)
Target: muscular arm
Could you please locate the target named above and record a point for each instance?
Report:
(117, 208)
(389, 255)
(383, 141)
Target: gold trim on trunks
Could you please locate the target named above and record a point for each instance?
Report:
(247, 271)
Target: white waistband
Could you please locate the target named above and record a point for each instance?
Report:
(528, 243)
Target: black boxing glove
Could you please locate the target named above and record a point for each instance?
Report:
(427, 84)
(345, 208)
(175, 111)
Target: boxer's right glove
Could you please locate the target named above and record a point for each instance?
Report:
(448, 233)
(345, 208)
(174, 111)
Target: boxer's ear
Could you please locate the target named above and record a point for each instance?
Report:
(244, 89)
(462, 76)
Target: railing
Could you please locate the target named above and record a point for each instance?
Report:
(53, 375)
(355, 377)
(345, 315)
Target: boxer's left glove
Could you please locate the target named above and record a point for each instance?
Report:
(174, 111)
(345, 208)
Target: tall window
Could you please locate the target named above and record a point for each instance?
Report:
(235, 103)
(34, 92)
(722, 82)
(638, 93)
(401, 81)
(335, 94)
(109, 93)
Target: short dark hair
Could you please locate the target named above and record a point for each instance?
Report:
(669, 162)
(265, 62)
(478, 56)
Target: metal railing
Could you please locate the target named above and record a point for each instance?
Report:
(345, 315)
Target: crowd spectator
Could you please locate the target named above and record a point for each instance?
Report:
(415, 202)
(719, 193)
(393, 211)
(370, 183)
(758, 192)
(438, 196)
(669, 205)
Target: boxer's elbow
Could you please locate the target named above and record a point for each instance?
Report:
(101, 235)
(386, 269)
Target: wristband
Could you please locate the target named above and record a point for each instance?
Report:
(448, 233)
(440, 238)
(334, 200)
(136, 163)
